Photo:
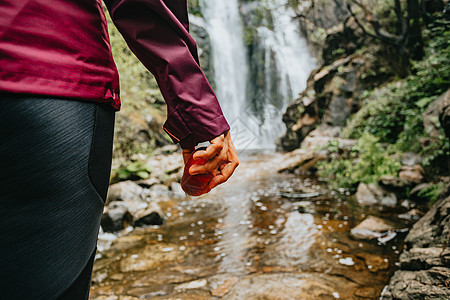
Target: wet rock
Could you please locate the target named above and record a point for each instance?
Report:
(128, 298)
(374, 263)
(290, 195)
(174, 177)
(117, 277)
(371, 228)
(421, 258)
(224, 287)
(371, 194)
(433, 229)
(147, 183)
(301, 161)
(152, 215)
(431, 122)
(165, 164)
(300, 117)
(177, 191)
(148, 291)
(412, 215)
(195, 294)
(167, 149)
(424, 269)
(196, 284)
(411, 159)
(291, 286)
(104, 241)
(392, 182)
(424, 284)
(312, 142)
(151, 257)
(108, 297)
(159, 191)
(166, 277)
(116, 217)
(294, 159)
(366, 292)
(309, 166)
(125, 191)
(340, 105)
(444, 113)
(326, 131)
(128, 242)
(99, 277)
(412, 174)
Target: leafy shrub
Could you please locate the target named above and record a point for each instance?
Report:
(431, 193)
(367, 161)
(393, 112)
(195, 8)
(130, 171)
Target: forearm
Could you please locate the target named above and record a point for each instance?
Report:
(157, 32)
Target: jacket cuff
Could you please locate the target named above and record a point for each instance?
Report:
(190, 136)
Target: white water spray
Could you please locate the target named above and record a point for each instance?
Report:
(293, 64)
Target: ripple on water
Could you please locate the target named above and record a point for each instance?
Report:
(248, 239)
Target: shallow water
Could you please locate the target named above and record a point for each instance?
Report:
(263, 235)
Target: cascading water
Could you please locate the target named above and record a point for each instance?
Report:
(285, 54)
(293, 60)
(224, 26)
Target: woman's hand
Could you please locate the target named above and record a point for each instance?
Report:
(221, 159)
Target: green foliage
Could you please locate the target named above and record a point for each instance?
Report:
(393, 112)
(130, 170)
(431, 193)
(194, 8)
(367, 161)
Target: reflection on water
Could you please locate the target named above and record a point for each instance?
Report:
(263, 235)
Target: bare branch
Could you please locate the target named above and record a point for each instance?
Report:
(379, 33)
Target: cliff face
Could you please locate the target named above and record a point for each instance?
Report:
(350, 66)
(359, 50)
(424, 267)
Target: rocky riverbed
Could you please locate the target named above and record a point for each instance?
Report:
(263, 235)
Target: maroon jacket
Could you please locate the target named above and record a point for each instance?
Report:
(61, 48)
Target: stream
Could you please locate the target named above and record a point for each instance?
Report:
(262, 235)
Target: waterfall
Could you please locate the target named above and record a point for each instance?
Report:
(293, 60)
(225, 30)
(285, 54)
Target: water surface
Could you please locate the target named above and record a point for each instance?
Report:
(263, 235)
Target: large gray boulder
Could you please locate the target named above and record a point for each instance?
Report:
(433, 230)
(437, 116)
(420, 285)
(371, 228)
(444, 113)
(125, 191)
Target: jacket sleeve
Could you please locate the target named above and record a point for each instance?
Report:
(157, 32)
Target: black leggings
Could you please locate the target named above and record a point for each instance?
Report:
(55, 160)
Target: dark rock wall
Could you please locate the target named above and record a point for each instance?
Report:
(425, 266)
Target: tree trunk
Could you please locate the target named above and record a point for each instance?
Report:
(414, 41)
